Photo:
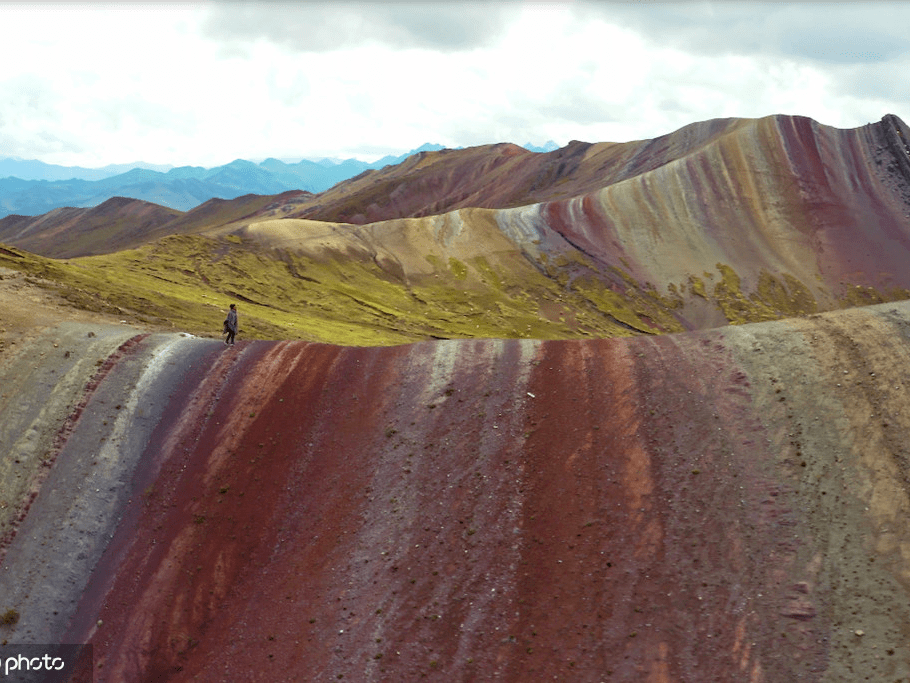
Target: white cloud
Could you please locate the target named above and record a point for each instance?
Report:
(330, 26)
(839, 32)
(204, 84)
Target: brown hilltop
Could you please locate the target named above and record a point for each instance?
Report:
(724, 221)
(487, 176)
(731, 220)
(118, 223)
(500, 176)
(122, 223)
(217, 213)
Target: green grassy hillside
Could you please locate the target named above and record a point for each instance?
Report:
(187, 282)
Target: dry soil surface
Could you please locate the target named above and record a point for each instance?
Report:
(27, 306)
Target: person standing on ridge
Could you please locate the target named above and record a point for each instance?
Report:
(230, 325)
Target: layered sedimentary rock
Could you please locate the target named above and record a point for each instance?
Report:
(718, 505)
(714, 504)
(725, 221)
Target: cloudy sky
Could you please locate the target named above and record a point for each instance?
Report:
(209, 82)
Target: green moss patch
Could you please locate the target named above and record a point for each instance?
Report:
(860, 295)
(186, 282)
(773, 299)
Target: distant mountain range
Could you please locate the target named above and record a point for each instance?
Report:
(32, 188)
(31, 169)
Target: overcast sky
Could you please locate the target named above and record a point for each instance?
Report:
(209, 82)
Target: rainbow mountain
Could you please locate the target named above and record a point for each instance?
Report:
(616, 412)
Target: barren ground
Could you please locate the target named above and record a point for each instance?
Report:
(718, 505)
(27, 307)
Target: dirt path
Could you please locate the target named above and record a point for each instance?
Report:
(49, 351)
(26, 308)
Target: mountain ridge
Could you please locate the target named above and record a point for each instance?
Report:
(32, 169)
(471, 181)
(635, 419)
(725, 221)
(492, 508)
(59, 186)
